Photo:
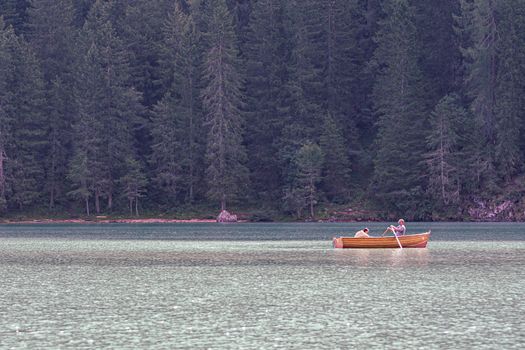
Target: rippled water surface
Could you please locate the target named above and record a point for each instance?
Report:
(259, 286)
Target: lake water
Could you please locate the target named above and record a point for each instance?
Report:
(259, 286)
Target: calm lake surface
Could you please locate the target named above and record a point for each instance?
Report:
(259, 286)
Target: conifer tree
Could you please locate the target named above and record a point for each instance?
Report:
(402, 121)
(444, 150)
(301, 115)
(140, 28)
(167, 133)
(336, 166)
(267, 53)
(6, 66)
(225, 154)
(134, 184)
(52, 35)
(111, 99)
(182, 105)
(478, 25)
(28, 129)
(509, 109)
(309, 163)
(440, 55)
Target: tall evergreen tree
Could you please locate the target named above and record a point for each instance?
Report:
(167, 133)
(301, 115)
(309, 163)
(225, 154)
(111, 99)
(267, 53)
(444, 156)
(440, 55)
(28, 129)
(397, 176)
(182, 44)
(52, 34)
(336, 166)
(477, 27)
(479, 24)
(510, 104)
(134, 184)
(6, 67)
(140, 29)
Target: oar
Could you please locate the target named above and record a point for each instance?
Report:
(397, 239)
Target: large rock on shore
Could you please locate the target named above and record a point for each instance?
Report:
(225, 216)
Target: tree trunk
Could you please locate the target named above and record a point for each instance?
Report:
(312, 195)
(97, 201)
(137, 206)
(223, 202)
(191, 137)
(2, 175)
(110, 200)
(87, 205)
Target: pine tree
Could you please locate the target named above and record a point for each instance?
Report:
(134, 183)
(167, 133)
(400, 107)
(267, 52)
(6, 64)
(28, 129)
(509, 109)
(333, 29)
(107, 95)
(140, 28)
(182, 101)
(51, 33)
(336, 166)
(478, 26)
(444, 150)
(309, 163)
(225, 154)
(440, 55)
(301, 115)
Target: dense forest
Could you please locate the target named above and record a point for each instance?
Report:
(403, 107)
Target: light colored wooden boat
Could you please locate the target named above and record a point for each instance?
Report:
(418, 240)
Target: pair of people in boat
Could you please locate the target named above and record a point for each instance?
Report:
(396, 230)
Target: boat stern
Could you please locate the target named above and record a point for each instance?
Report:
(337, 242)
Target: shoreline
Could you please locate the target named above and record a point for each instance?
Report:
(106, 221)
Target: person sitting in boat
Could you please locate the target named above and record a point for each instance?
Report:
(362, 233)
(398, 230)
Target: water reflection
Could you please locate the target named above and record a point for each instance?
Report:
(416, 257)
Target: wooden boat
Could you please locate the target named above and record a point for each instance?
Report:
(418, 240)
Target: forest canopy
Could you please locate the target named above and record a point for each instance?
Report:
(412, 108)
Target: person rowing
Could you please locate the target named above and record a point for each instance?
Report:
(397, 230)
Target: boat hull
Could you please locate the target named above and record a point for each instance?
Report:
(419, 240)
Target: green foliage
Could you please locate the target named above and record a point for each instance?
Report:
(336, 167)
(303, 191)
(108, 108)
(444, 144)
(226, 174)
(510, 104)
(397, 181)
(414, 107)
